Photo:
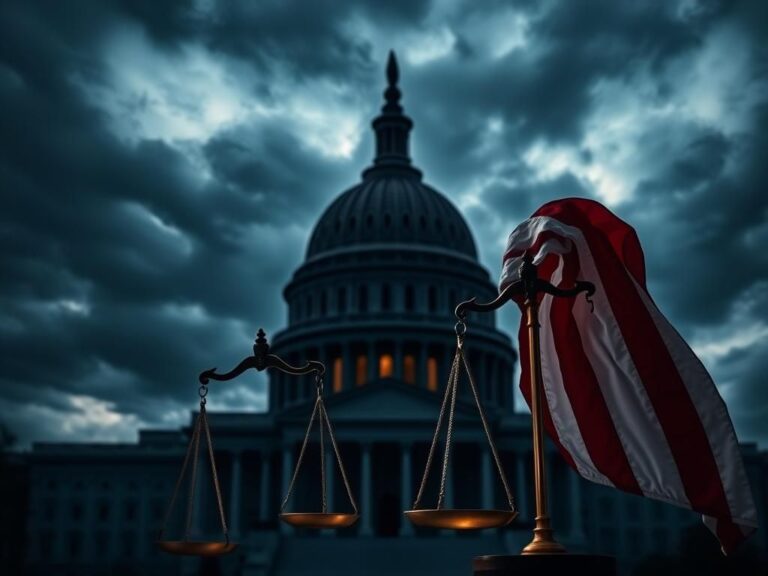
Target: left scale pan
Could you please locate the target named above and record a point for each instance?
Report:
(192, 548)
(187, 546)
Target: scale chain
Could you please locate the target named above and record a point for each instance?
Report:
(430, 456)
(446, 454)
(322, 450)
(179, 480)
(301, 454)
(204, 416)
(193, 476)
(494, 451)
(324, 414)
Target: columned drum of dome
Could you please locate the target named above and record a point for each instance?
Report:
(385, 265)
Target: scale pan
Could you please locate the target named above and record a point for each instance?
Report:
(461, 519)
(189, 548)
(318, 520)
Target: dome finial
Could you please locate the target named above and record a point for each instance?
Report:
(393, 73)
(392, 93)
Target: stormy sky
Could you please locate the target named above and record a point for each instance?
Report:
(162, 165)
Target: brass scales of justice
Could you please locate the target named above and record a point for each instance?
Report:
(528, 288)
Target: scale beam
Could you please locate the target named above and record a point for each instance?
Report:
(261, 360)
(529, 286)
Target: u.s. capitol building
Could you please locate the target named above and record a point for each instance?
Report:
(386, 263)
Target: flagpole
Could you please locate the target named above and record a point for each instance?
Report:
(543, 538)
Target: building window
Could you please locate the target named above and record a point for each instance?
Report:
(432, 374)
(386, 297)
(46, 545)
(338, 374)
(77, 511)
(130, 510)
(323, 303)
(341, 300)
(49, 510)
(410, 298)
(409, 369)
(75, 545)
(385, 366)
(103, 512)
(102, 542)
(158, 510)
(361, 370)
(362, 298)
(432, 298)
(128, 545)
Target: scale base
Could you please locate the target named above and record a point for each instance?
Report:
(544, 565)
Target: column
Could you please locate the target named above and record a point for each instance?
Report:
(234, 496)
(348, 367)
(421, 366)
(287, 472)
(266, 481)
(445, 369)
(373, 362)
(486, 478)
(522, 482)
(406, 493)
(478, 367)
(577, 525)
(366, 509)
(397, 353)
(493, 380)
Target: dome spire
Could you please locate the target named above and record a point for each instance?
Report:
(392, 93)
(392, 129)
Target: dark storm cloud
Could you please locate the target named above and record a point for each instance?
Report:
(133, 257)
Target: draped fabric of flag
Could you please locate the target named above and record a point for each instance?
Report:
(628, 403)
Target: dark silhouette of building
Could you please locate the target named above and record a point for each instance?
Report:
(386, 264)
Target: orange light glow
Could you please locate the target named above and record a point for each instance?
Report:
(432, 374)
(385, 366)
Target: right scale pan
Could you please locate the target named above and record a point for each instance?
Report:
(478, 519)
(459, 519)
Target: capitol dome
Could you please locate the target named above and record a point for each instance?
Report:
(385, 266)
(391, 204)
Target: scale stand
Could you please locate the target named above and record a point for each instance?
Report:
(543, 556)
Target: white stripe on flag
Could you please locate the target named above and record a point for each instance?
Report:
(713, 415)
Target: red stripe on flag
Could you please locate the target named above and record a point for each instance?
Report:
(583, 391)
(673, 407)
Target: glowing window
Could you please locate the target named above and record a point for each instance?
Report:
(385, 366)
(338, 374)
(432, 374)
(361, 370)
(409, 369)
